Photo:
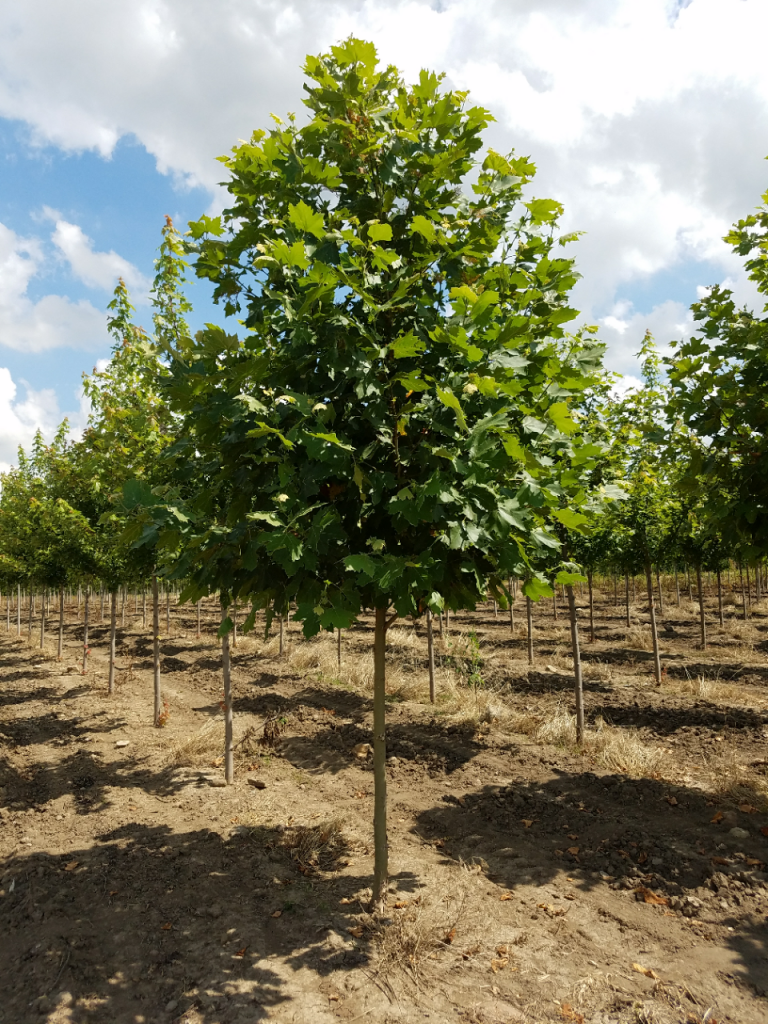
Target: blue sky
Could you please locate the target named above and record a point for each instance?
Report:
(648, 119)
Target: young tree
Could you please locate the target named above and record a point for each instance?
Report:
(380, 436)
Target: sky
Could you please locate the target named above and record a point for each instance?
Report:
(647, 119)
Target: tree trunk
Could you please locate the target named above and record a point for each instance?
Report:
(743, 592)
(511, 607)
(380, 867)
(431, 657)
(529, 617)
(29, 624)
(18, 610)
(720, 597)
(122, 606)
(749, 590)
(282, 648)
(101, 604)
(229, 746)
(626, 585)
(702, 620)
(338, 648)
(591, 609)
(8, 612)
(654, 631)
(156, 650)
(234, 622)
(112, 634)
(198, 617)
(554, 602)
(144, 607)
(85, 629)
(60, 648)
(690, 585)
(495, 609)
(167, 610)
(615, 590)
(661, 592)
(677, 587)
(579, 689)
(42, 621)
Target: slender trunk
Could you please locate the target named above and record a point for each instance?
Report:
(101, 604)
(661, 592)
(198, 618)
(758, 583)
(18, 610)
(167, 610)
(702, 620)
(229, 747)
(529, 617)
(338, 647)
(281, 635)
(654, 631)
(234, 623)
(626, 585)
(511, 607)
(634, 589)
(380, 867)
(144, 607)
(615, 590)
(690, 584)
(85, 629)
(579, 689)
(554, 602)
(42, 621)
(677, 587)
(749, 590)
(8, 612)
(112, 633)
(31, 610)
(591, 609)
(720, 597)
(743, 592)
(156, 649)
(122, 606)
(431, 656)
(60, 649)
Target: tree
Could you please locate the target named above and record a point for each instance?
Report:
(381, 435)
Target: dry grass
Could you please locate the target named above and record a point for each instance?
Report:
(640, 637)
(201, 747)
(711, 690)
(318, 845)
(730, 779)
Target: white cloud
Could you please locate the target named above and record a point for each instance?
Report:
(21, 419)
(52, 321)
(94, 269)
(647, 118)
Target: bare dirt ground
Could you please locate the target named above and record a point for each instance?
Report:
(531, 881)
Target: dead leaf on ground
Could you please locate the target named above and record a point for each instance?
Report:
(356, 932)
(649, 896)
(764, 830)
(551, 910)
(720, 860)
(166, 927)
(449, 936)
(671, 800)
(499, 964)
(568, 1013)
(400, 905)
(573, 850)
(71, 865)
(527, 822)
(646, 971)
(717, 818)
(506, 896)
(642, 858)
(747, 809)
(754, 863)
(276, 913)
(241, 952)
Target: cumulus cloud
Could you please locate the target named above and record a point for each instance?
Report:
(52, 321)
(94, 269)
(647, 118)
(20, 419)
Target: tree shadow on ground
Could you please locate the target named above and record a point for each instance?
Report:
(550, 682)
(650, 840)
(146, 918)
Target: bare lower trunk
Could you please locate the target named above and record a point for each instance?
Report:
(234, 623)
(431, 657)
(661, 592)
(743, 593)
(42, 621)
(626, 584)
(198, 618)
(229, 747)
(591, 609)
(112, 633)
(654, 631)
(31, 610)
(554, 602)
(578, 687)
(101, 604)
(338, 647)
(122, 606)
(18, 610)
(156, 651)
(167, 611)
(495, 609)
(85, 629)
(702, 620)
(60, 650)
(720, 597)
(529, 618)
(677, 587)
(749, 590)
(615, 590)
(381, 854)
(511, 608)
(144, 607)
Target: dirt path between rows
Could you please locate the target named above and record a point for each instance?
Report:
(530, 881)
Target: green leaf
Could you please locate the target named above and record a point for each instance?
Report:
(571, 520)
(421, 226)
(379, 232)
(560, 415)
(450, 400)
(536, 589)
(567, 579)
(544, 211)
(407, 345)
(304, 219)
(361, 563)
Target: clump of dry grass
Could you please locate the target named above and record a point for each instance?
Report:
(621, 750)
(709, 689)
(640, 637)
(201, 747)
(729, 778)
(317, 845)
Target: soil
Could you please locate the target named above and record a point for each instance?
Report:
(530, 881)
